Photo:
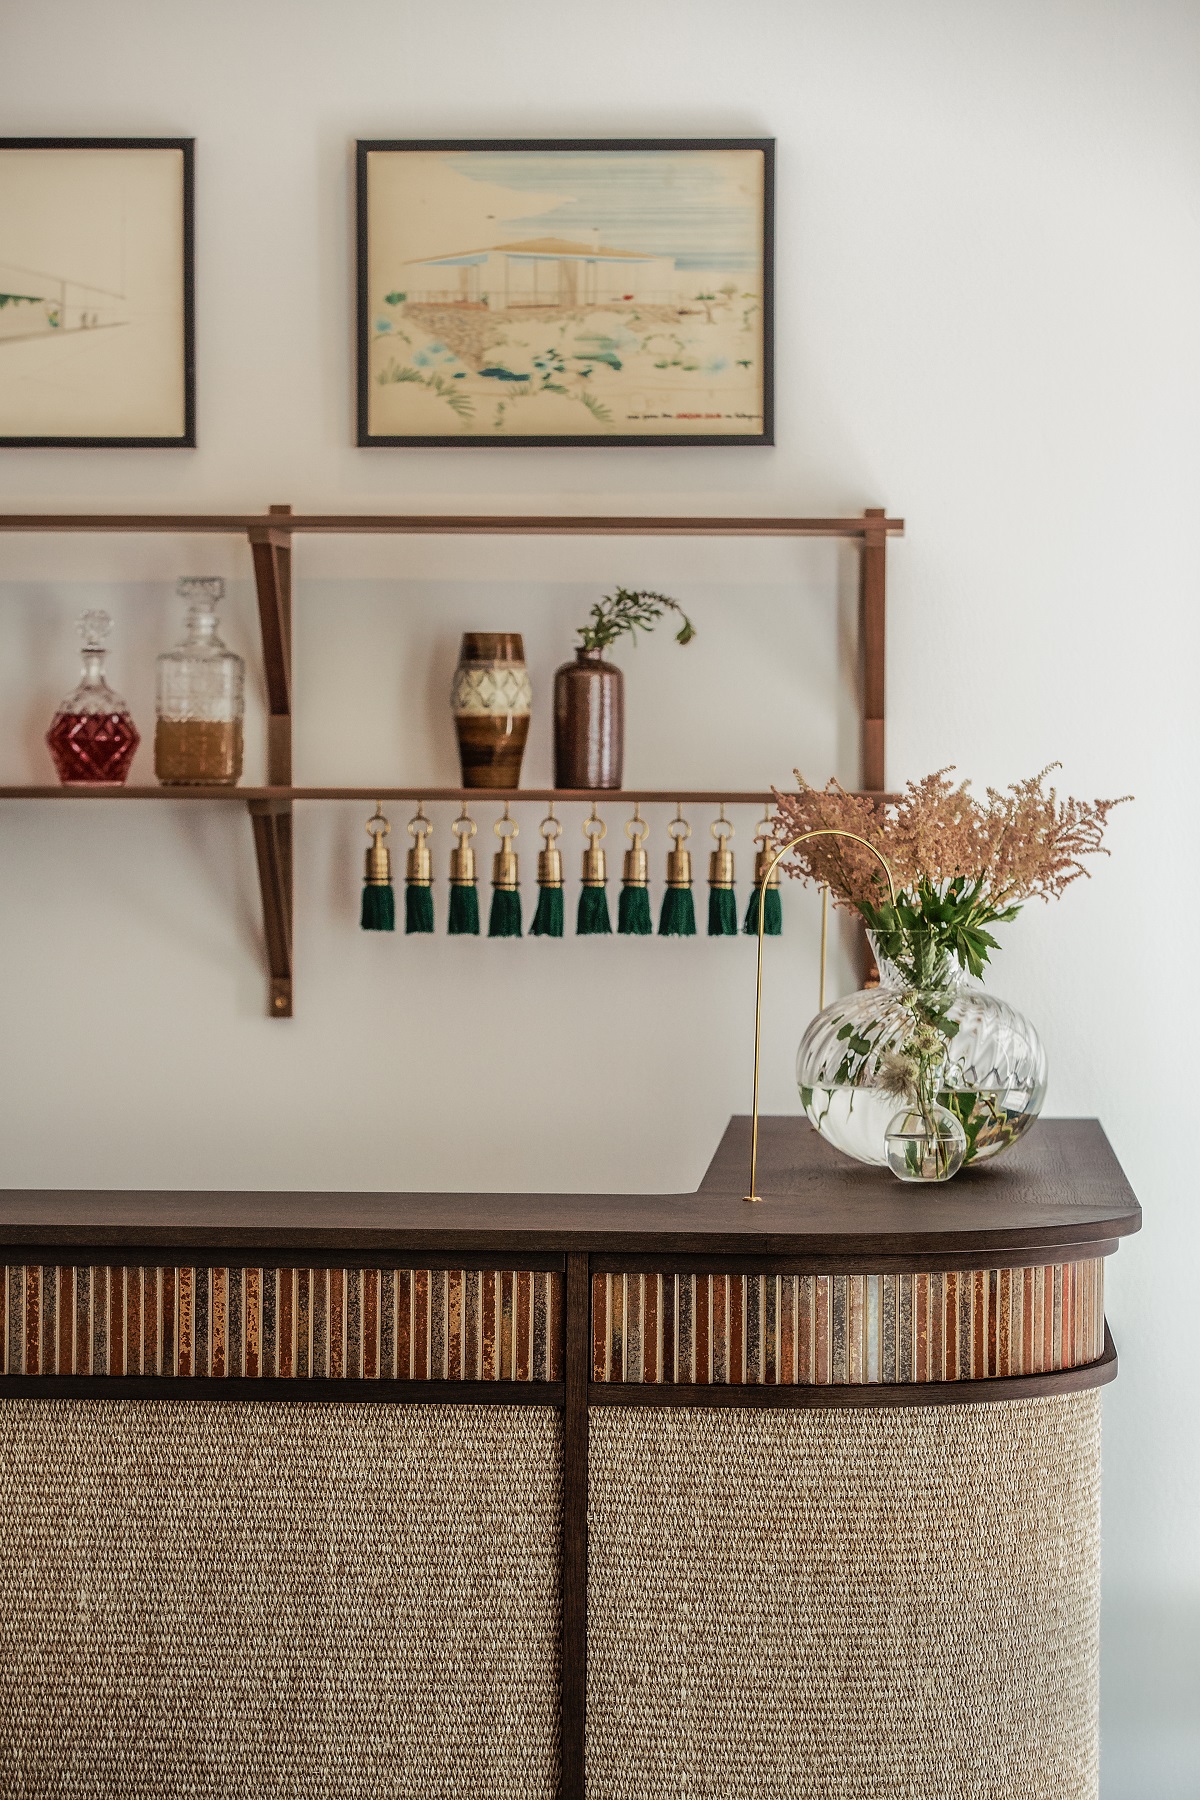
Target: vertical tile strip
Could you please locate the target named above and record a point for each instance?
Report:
(33, 1319)
(523, 1330)
(667, 1305)
(66, 1319)
(387, 1324)
(219, 1322)
(489, 1282)
(370, 1324)
(557, 1325)
(506, 1325)
(703, 1325)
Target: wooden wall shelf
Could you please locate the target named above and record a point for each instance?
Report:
(270, 536)
(480, 797)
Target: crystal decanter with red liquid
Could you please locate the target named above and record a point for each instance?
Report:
(92, 737)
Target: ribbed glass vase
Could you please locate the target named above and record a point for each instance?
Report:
(993, 1078)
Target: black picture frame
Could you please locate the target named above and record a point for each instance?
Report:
(186, 438)
(366, 438)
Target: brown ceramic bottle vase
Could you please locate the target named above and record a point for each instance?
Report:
(589, 723)
(491, 700)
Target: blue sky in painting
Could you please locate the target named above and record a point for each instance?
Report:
(674, 203)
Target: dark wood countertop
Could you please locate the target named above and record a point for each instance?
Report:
(1061, 1189)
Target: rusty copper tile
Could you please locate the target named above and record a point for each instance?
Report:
(33, 1319)
(48, 1353)
(685, 1329)
(268, 1322)
(450, 1283)
(541, 1324)
(633, 1328)
(1004, 1323)
(368, 1330)
(905, 1329)
(277, 1323)
(439, 1322)
(745, 1328)
(129, 1321)
(821, 1338)
(218, 1321)
(168, 1279)
(722, 1362)
(703, 1323)
(855, 1298)
(806, 1295)
(420, 1325)
(235, 1329)
(186, 1320)
(471, 1325)
(667, 1315)
(302, 1355)
(599, 1327)
(979, 1326)
(387, 1324)
(100, 1323)
(404, 1307)
(522, 1326)
(556, 1327)
(202, 1322)
(151, 1333)
(116, 1321)
(338, 1324)
(252, 1326)
(616, 1328)
(490, 1286)
(65, 1358)
(740, 1329)
(923, 1311)
(4, 1368)
(951, 1282)
(770, 1328)
(786, 1369)
(651, 1316)
(889, 1329)
(318, 1287)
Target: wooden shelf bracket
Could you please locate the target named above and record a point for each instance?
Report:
(272, 819)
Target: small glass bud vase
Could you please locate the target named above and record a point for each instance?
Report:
(92, 737)
(925, 1144)
(201, 688)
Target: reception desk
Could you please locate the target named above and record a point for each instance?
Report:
(625, 1495)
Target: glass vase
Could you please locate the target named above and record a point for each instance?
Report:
(851, 1065)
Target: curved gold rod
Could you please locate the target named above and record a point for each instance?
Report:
(805, 836)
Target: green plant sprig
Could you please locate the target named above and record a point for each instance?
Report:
(921, 928)
(630, 610)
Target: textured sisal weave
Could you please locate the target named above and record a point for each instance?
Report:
(845, 1605)
(257, 1601)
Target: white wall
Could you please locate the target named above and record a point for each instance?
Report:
(988, 278)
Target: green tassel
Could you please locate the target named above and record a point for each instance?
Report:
(418, 906)
(678, 916)
(633, 912)
(773, 917)
(548, 919)
(505, 919)
(378, 908)
(722, 912)
(592, 919)
(464, 910)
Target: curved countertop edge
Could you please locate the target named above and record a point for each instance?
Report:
(1059, 1190)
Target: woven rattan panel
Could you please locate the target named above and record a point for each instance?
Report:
(872, 1605)
(288, 1599)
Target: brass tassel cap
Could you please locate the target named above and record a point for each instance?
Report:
(595, 864)
(378, 869)
(462, 857)
(504, 864)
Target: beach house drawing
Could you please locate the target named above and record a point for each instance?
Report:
(34, 304)
(550, 271)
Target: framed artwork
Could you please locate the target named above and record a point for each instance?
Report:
(576, 291)
(97, 315)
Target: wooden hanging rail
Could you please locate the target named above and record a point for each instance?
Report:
(270, 535)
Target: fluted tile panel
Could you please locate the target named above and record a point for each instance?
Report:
(846, 1330)
(293, 1324)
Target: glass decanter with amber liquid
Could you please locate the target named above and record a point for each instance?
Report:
(198, 736)
(92, 737)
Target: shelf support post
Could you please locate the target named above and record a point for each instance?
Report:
(272, 820)
(872, 634)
